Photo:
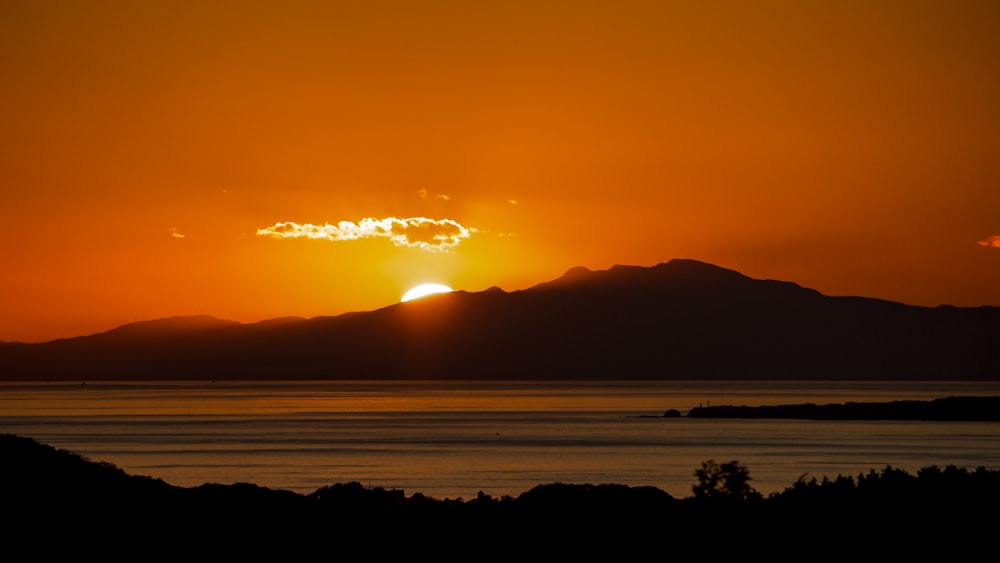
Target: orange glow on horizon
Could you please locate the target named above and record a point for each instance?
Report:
(314, 158)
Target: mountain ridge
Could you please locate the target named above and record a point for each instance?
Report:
(681, 319)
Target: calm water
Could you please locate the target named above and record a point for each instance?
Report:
(454, 439)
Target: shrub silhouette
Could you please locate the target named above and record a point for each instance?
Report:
(723, 481)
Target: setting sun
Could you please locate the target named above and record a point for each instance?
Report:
(424, 290)
(322, 157)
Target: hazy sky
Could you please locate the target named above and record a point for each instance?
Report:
(252, 159)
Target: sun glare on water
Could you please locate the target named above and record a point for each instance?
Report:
(424, 290)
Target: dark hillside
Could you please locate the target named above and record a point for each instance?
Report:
(677, 320)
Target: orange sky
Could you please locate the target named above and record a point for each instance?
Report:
(149, 148)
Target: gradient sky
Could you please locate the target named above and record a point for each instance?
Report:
(251, 159)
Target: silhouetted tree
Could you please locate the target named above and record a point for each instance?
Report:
(728, 480)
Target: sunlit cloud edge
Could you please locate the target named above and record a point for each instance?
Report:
(990, 242)
(413, 232)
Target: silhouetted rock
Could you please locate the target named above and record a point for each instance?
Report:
(682, 319)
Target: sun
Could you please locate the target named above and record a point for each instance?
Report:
(424, 290)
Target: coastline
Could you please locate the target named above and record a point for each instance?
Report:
(968, 409)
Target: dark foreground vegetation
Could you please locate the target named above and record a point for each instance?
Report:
(55, 501)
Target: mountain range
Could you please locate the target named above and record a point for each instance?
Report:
(681, 320)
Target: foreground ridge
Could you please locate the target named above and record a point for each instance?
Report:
(55, 493)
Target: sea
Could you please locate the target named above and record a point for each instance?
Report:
(460, 439)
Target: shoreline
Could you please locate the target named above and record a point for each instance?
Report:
(957, 409)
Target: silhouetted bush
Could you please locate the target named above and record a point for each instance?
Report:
(727, 481)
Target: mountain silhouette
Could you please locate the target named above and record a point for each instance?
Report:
(681, 319)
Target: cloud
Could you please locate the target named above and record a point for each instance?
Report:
(414, 232)
(175, 234)
(990, 242)
(423, 194)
